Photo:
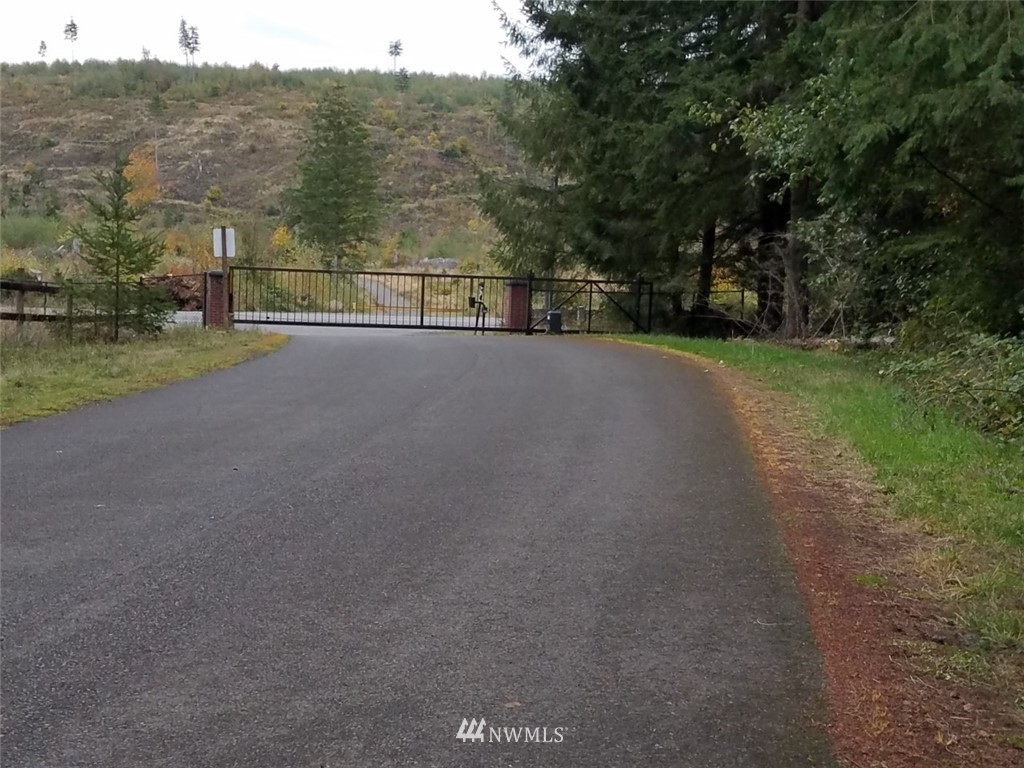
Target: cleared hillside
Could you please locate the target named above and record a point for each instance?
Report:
(226, 142)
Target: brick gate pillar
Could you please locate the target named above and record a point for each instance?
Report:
(517, 305)
(216, 314)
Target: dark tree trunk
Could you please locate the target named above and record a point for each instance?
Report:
(671, 261)
(794, 255)
(705, 268)
(774, 218)
(795, 265)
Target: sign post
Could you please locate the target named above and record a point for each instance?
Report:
(224, 248)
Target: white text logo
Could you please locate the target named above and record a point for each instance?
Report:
(471, 730)
(477, 730)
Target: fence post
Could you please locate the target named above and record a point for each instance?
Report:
(19, 308)
(529, 303)
(636, 317)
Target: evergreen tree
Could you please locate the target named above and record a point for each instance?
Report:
(184, 40)
(71, 35)
(619, 111)
(394, 51)
(402, 80)
(908, 120)
(335, 204)
(119, 256)
(42, 50)
(736, 138)
(193, 43)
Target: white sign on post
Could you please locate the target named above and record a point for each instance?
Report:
(220, 238)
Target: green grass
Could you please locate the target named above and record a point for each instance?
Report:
(870, 580)
(30, 231)
(40, 376)
(956, 481)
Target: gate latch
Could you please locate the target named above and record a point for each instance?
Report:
(477, 303)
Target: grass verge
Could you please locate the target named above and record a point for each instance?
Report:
(49, 376)
(963, 487)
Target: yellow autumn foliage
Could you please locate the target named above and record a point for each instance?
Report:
(141, 172)
(389, 250)
(187, 253)
(281, 238)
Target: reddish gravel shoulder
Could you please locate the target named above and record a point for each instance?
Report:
(884, 711)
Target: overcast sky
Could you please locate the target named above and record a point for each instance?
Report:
(439, 36)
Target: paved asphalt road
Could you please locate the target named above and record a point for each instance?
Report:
(380, 294)
(332, 555)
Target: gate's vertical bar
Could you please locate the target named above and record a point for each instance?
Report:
(409, 311)
(372, 296)
(590, 305)
(529, 303)
(423, 298)
(636, 316)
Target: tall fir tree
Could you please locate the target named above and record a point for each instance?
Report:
(335, 203)
(71, 35)
(184, 40)
(119, 256)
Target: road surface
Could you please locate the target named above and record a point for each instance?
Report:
(380, 294)
(333, 555)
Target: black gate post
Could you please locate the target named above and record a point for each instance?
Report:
(636, 317)
(529, 303)
(590, 305)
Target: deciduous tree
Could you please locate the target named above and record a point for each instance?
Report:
(141, 172)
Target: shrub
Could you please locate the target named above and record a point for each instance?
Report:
(172, 217)
(31, 231)
(979, 378)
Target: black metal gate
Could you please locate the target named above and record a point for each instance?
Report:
(280, 296)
